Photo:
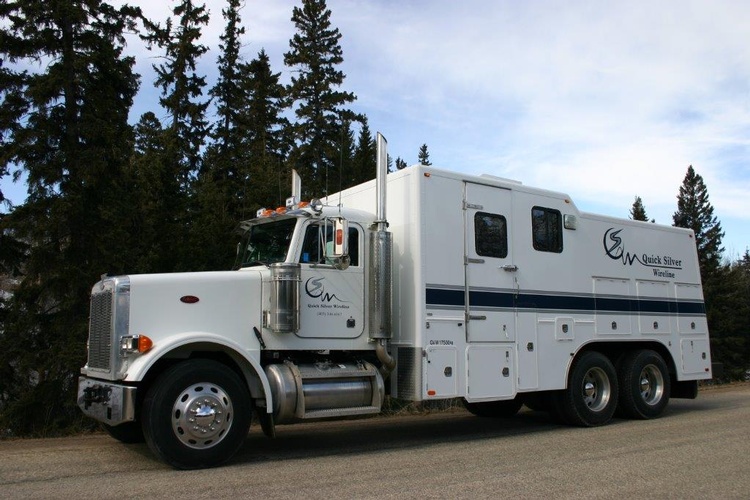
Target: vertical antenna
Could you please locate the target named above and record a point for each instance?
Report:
(341, 161)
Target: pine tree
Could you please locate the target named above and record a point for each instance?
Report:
(638, 211)
(159, 200)
(730, 318)
(314, 55)
(181, 87)
(185, 134)
(228, 94)
(363, 163)
(424, 156)
(66, 98)
(219, 184)
(345, 163)
(694, 211)
(400, 163)
(268, 136)
(8, 115)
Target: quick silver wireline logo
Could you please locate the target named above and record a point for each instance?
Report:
(614, 247)
(314, 288)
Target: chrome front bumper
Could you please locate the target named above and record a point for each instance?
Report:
(109, 403)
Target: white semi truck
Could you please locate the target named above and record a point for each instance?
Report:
(473, 287)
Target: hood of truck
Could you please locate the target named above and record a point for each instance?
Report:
(176, 309)
(226, 303)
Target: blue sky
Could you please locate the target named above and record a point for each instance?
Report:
(601, 100)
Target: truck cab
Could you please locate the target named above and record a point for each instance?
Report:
(183, 360)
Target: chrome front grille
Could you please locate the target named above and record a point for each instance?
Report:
(100, 331)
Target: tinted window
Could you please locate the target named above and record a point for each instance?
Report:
(546, 228)
(312, 247)
(268, 242)
(490, 235)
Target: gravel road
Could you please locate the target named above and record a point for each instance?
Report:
(698, 449)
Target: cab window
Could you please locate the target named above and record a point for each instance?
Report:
(316, 238)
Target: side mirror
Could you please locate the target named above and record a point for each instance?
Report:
(337, 243)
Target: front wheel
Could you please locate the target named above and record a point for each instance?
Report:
(591, 396)
(644, 385)
(196, 414)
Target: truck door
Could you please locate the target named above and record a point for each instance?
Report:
(331, 300)
(490, 273)
(491, 289)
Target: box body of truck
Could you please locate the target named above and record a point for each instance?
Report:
(497, 286)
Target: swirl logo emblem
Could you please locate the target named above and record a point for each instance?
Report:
(613, 244)
(315, 289)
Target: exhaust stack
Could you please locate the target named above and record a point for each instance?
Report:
(296, 197)
(381, 160)
(381, 245)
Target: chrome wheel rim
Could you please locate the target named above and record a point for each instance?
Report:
(651, 384)
(597, 389)
(202, 415)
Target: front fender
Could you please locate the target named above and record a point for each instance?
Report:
(175, 346)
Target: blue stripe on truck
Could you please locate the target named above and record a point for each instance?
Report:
(455, 298)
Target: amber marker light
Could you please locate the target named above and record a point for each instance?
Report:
(144, 344)
(431, 392)
(135, 343)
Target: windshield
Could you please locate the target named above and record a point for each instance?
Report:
(267, 243)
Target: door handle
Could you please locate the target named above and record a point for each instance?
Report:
(509, 267)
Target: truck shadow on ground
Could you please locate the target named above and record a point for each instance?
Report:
(374, 435)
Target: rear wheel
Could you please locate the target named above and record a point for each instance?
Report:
(196, 414)
(591, 396)
(495, 409)
(644, 385)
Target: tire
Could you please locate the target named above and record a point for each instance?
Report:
(645, 385)
(196, 414)
(591, 397)
(128, 433)
(495, 409)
